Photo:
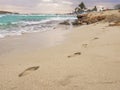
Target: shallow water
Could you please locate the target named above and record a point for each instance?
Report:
(16, 24)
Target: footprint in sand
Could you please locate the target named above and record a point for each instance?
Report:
(75, 54)
(84, 45)
(95, 38)
(28, 70)
(66, 81)
(103, 28)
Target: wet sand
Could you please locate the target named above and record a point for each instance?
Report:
(34, 41)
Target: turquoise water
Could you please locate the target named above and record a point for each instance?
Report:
(16, 24)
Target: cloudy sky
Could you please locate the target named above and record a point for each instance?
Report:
(50, 6)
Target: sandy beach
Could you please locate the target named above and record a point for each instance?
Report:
(84, 58)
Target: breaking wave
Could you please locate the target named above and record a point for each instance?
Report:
(11, 25)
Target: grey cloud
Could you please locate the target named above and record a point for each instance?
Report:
(51, 5)
(25, 3)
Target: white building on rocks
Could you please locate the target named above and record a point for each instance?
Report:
(100, 8)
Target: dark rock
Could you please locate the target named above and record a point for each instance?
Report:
(67, 22)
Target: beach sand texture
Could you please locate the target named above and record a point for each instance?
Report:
(89, 59)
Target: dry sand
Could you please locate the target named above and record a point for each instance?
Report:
(89, 59)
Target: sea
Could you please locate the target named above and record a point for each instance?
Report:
(18, 24)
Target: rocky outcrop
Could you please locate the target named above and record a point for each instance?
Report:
(88, 19)
(93, 17)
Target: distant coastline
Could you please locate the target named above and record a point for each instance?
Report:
(7, 12)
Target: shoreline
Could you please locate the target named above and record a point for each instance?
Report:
(36, 40)
(22, 24)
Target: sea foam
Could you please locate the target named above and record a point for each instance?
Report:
(11, 25)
